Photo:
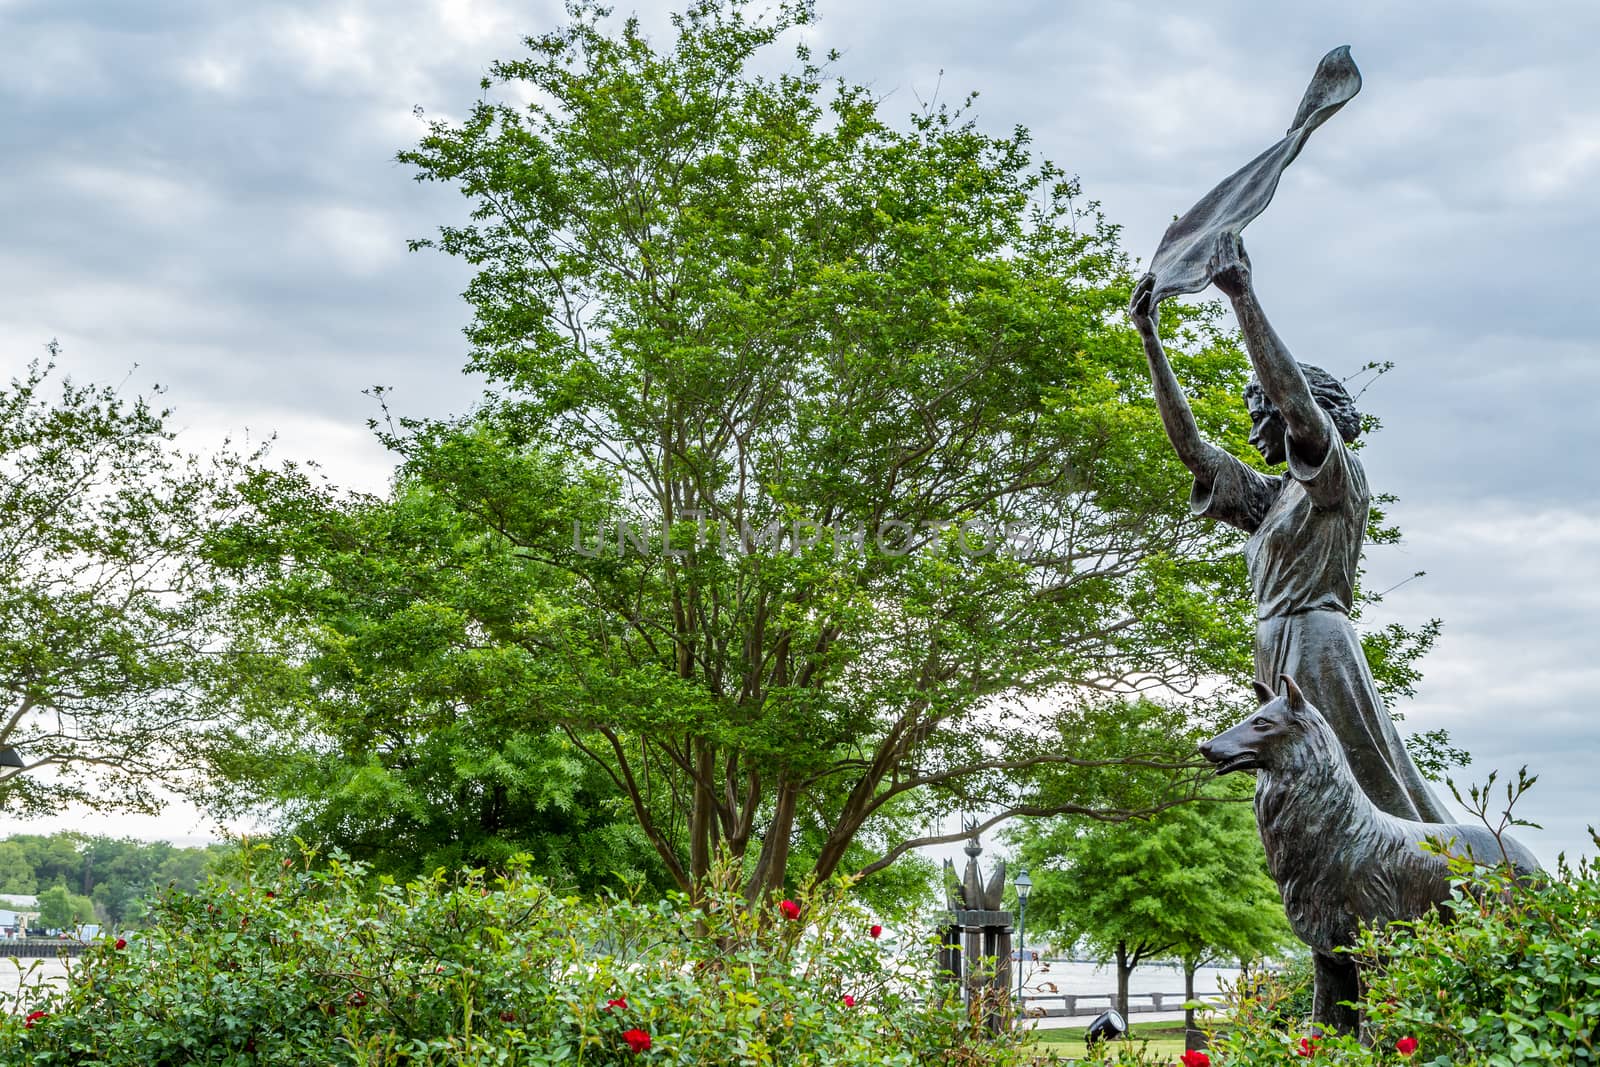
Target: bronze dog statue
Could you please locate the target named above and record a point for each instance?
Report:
(1339, 860)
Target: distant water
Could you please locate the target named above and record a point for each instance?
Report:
(32, 972)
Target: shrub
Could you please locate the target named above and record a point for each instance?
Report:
(1505, 974)
(308, 963)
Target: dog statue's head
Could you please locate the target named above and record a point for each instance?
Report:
(1271, 728)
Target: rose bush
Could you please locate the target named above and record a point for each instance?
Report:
(1507, 974)
(320, 963)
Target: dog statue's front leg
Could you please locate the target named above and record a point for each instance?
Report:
(1338, 986)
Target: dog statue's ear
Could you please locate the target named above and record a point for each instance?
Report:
(1264, 693)
(1297, 699)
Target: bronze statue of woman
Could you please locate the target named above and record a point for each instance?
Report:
(1306, 528)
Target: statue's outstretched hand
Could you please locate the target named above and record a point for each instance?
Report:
(1229, 266)
(1141, 309)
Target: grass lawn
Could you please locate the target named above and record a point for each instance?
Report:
(1165, 1038)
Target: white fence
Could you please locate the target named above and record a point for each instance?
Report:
(1047, 1005)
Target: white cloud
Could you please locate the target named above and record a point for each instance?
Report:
(219, 74)
(361, 241)
(140, 196)
(330, 42)
(477, 24)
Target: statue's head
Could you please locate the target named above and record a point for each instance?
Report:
(1266, 424)
(1283, 733)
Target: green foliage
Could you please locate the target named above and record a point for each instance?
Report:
(1190, 880)
(16, 873)
(310, 963)
(717, 303)
(53, 857)
(1434, 754)
(62, 909)
(381, 718)
(1507, 973)
(100, 632)
(117, 874)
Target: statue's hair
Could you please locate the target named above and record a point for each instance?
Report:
(1329, 393)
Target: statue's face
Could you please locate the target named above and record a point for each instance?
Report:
(1266, 429)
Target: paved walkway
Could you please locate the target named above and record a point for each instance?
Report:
(1064, 1022)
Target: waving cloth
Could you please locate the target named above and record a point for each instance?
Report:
(1179, 264)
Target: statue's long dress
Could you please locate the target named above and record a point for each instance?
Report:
(1306, 531)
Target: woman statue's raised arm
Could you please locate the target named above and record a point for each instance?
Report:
(1181, 428)
(1279, 374)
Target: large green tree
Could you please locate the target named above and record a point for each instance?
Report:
(1190, 883)
(806, 370)
(100, 627)
(731, 303)
(820, 492)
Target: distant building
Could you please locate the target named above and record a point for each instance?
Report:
(17, 912)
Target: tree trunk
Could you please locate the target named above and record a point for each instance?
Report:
(780, 831)
(1192, 1037)
(772, 865)
(1124, 971)
(701, 815)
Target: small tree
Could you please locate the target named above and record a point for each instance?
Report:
(100, 630)
(62, 909)
(1190, 883)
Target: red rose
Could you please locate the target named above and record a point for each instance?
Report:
(122, 943)
(849, 1001)
(876, 931)
(637, 1040)
(508, 1016)
(1195, 1058)
(620, 1002)
(271, 895)
(33, 1017)
(1307, 1047)
(1406, 1046)
(790, 909)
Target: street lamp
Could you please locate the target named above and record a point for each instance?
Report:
(1023, 885)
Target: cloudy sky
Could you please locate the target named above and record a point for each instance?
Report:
(207, 189)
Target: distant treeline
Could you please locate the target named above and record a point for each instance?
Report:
(116, 874)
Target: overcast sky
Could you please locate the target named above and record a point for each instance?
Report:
(208, 190)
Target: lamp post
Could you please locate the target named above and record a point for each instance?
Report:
(1023, 885)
